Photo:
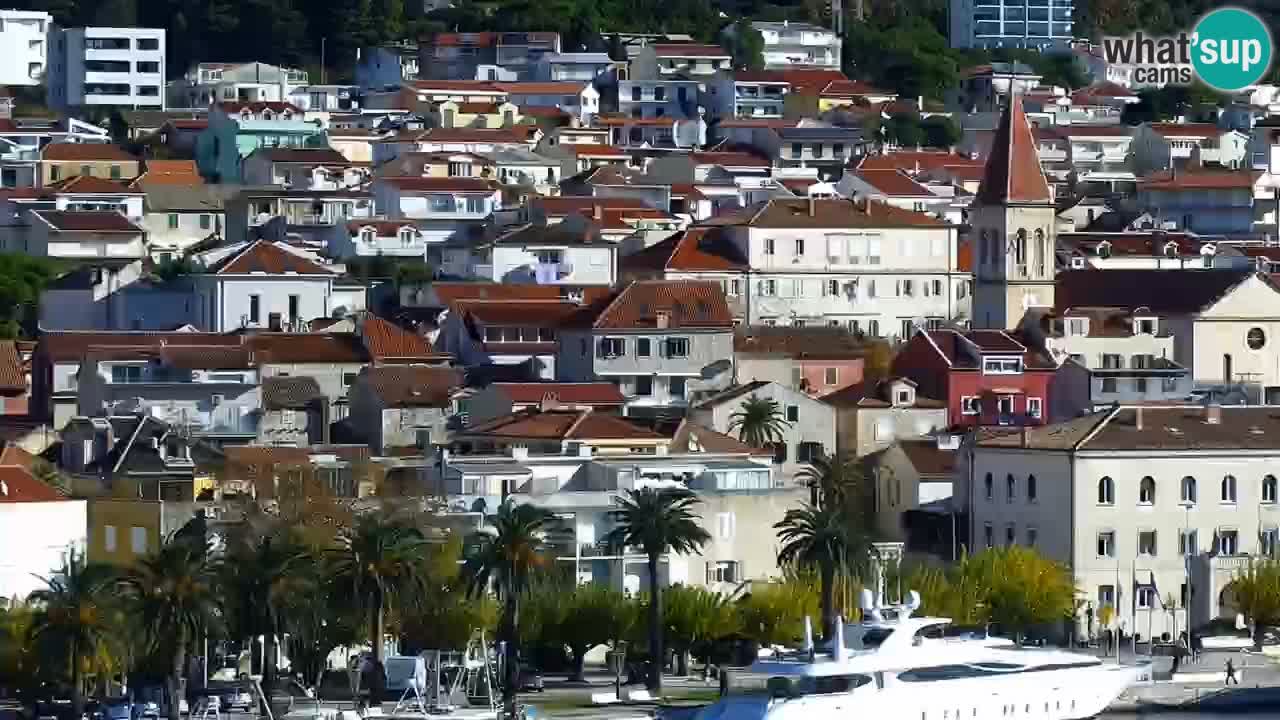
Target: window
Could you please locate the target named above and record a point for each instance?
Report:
(109, 536)
(988, 534)
(676, 387)
(1031, 488)
(799, 247)
(1108, 385)
(1229, 489)
(147, 66)
(255, 308)
(1010, 488)
(407, 236)
(1269, 489)
(1146, 597)
(807, 452)
(1256, 339)
(644, 385)
(348, 379)
(987, 484)
(173, 221)
(793, 413)
(779, 453)
(970, 405)
(294, 308)
(768, 246)
(726, 571)
(126, 374)
(642, 347)
(206, 222)
(831, 288)
(675, 347)
(1001, 366)
(1189, 489)
(1106, 491)
(1147, 491)
(86, 171)
(612, 347)
(1077, 326)
(1032, 536)
(1107, 596)
(1009, 534)
(1107, 543)
(138, 540)
(1228, 542)
(115, 172)
(1188, 544)
(1147, 542)
(54, 172)
(797, 150)
(832, 376)
(1034, 407)
(148, 44)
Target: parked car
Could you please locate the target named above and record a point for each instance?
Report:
(231, 695)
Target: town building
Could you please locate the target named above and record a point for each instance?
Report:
(992, 24)
(807, 428)
(206, 84)
(97, 67)
(25, 37)
(873, 414)
(796, 44)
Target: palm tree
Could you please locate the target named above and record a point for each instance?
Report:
(834, 481)
(267, 574)
(175, 589)
(759, 422)
(379, 559)
(825, 539)
(74, 612)
(658, 521)
(504, 555)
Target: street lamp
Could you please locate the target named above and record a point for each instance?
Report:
(1189, 550)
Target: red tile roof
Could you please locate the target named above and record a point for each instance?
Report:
(1013, 173)
(413, 385)
(852, 88)
(541, 88)
(441, 184)
(479, 86)
(521, 134)
(188, 124)
(811, 79)
(262, 256)
(98, 222)
(18, 485)
(628, 121)
(692, 250)
(913, 162)
(1201, 179)
(169, 172)
(786, 213)
(387, 341)
(89, 185)
(81, 152)
(12, 373)
(1186, 129)
(594, 150)
(729, 159)
(894, 183)
(685, 304)
(72, 345)
(579, 393)
(257, 106)
(1101, 90)
(310, 156)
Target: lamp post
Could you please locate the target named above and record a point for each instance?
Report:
(1189, 550)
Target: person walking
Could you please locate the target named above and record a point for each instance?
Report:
(1231, 673)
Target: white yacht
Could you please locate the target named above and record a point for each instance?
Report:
(898, 667)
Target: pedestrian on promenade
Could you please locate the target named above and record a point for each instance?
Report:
(1231, 673)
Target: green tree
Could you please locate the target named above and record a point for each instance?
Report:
(835, 481)
(504, 555)
(266, 576)
(758, 421)
(658, 521)
(694, 618)
(175, 590)
(444, 616)
(75, 613)
(823, 538)
(904, 129)
(746, 45)
(1257, 592)
(377, 560)
(940, 131)
(593, 614)
(774, 614)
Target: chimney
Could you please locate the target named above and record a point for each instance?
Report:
(597, 212)
(1213, 414)
(1137, 417)
(813, 209)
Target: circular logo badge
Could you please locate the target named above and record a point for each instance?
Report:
(1231, 49)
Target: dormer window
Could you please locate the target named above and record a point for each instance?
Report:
(246, 114)
(368, 235)
(407, 236)
(1104, 250)
(268, 115)
(286, 115)
(1001, 365)
(903, 395)
(1077, 262)
(1171, 250)
(1144, 326)
(1078, 327)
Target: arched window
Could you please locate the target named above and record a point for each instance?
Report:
(989, 484)
(1229, 489)
(1188, 489)
(1031, 488)
(1147, 491)
(368, 235)
(1269, 489)
(407, 236)
(1042, 252)
(1020, 250)
(1171, 250)
(1106, 491)
(1104, 250)
(1010, 486)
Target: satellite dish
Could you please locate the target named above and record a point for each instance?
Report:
(716, 368)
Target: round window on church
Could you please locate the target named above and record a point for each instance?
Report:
(1256, 338)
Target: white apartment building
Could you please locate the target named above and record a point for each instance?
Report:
(106, 67)
(793, 44)
(862, 264)
(1037, 24)
(1154, 509)
(24, 37)
(206, 84)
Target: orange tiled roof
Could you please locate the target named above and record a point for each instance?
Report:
(18, 485)
(91, 152)
(266, 257)
(1013, 173)
(686, 304)
(386, 340)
